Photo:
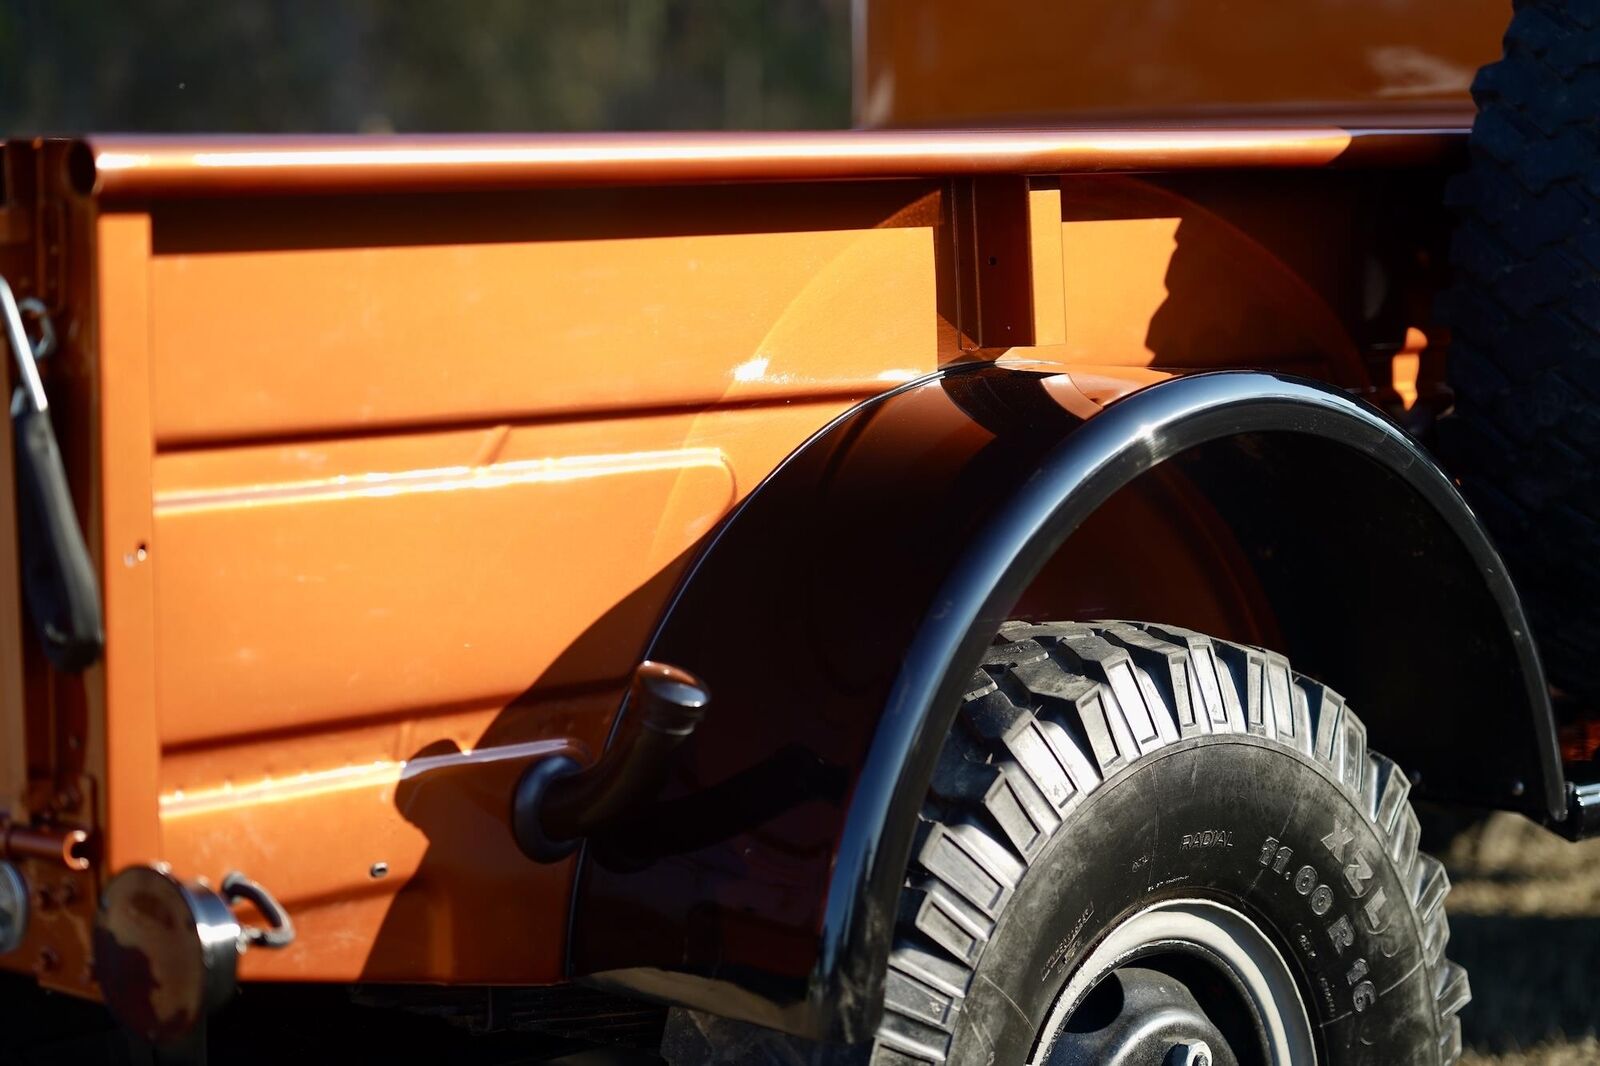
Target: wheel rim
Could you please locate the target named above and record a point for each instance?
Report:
(1217, 938)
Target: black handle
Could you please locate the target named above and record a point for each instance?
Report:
(57, 577)
(557, 802)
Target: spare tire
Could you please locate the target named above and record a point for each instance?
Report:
(1524, 315)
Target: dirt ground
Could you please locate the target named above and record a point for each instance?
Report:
(1525, 922)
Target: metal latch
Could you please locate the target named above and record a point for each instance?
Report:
(58, 579)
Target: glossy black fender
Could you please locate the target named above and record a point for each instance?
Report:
(838, 614)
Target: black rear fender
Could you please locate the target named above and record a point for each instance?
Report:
(839, 613)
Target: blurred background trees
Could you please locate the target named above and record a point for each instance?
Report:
(422, 65)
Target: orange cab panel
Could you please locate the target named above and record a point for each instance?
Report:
(1254, 62)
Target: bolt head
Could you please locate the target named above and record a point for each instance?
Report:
(1189, 1053)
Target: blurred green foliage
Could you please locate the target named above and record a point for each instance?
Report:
(417, 65)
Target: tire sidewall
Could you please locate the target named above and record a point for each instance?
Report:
(1243, 821)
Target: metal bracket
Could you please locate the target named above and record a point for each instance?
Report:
(24, 350)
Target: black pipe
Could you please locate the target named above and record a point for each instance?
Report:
(557, 802)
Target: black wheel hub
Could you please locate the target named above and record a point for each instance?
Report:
(1140, 1017)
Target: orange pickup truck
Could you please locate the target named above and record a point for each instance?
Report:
(811, 597)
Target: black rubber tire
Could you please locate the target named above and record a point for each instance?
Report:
(1083, 756)
(1524, 315)
(1098, 768)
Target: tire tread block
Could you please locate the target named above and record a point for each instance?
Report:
(1067, 705)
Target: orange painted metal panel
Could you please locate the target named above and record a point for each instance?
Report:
(1044, 247)
(951, 62)
(455, 899)
(1187, 288)
(301, 318)
(426, 470)
(472, 581)
(126, 544)
(504, 584)
(476, 580)
(393, 487)
(991, 219)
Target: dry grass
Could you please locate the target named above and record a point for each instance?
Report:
(1525, 922)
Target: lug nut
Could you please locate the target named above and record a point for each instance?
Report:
(1197, 1053)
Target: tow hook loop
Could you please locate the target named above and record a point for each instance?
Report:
(557, 802)
(58, 579)
(166, 952)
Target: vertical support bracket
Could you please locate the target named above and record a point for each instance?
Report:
(994, 262)
(1049, 270)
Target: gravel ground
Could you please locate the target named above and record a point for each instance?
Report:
(1525, 922)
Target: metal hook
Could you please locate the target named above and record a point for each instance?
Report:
(22, 348)
(280, 929)
(45, 346)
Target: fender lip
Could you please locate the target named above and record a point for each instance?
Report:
(1132, 435)
(1070, 469)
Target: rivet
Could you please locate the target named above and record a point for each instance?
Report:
(379, 869)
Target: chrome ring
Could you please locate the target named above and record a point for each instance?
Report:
(1222, 936)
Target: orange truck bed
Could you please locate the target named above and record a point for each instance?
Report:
(566, 570)
(389, 453)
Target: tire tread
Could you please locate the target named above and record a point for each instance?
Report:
(1056, 709)
(1524, 320)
